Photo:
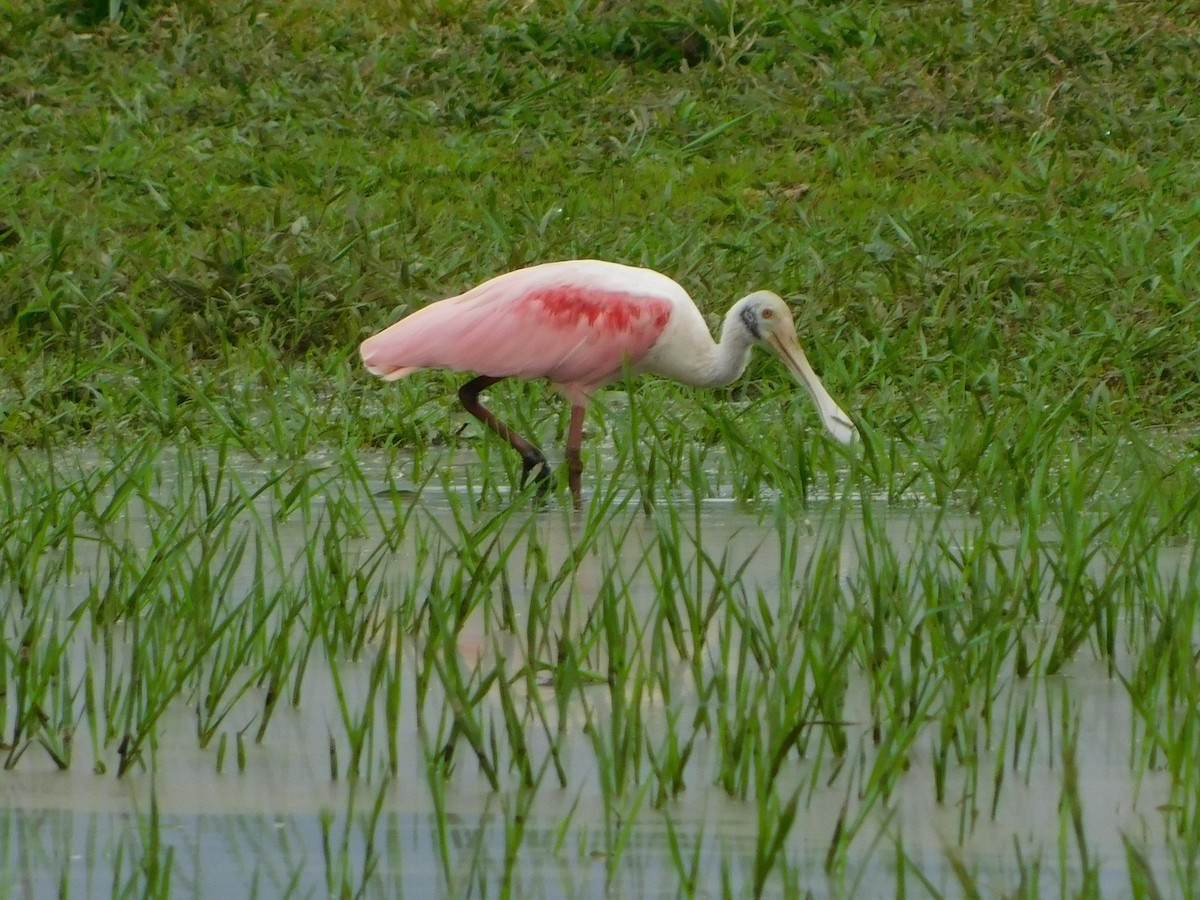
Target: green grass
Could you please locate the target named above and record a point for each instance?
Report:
(986, 220)
(962, 203)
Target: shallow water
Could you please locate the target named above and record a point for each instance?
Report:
(293, 824)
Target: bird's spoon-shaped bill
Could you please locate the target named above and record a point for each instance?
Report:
(835, 419)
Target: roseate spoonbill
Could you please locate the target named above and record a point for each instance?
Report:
(577, 324)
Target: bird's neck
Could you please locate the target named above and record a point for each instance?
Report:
(727, 358)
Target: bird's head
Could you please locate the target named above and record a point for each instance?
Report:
(767, 320)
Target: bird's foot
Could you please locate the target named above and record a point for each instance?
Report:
(536, 465)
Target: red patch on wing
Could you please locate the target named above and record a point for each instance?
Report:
(609, 310)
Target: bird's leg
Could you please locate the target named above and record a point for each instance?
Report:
(574, 461)
(532, 458)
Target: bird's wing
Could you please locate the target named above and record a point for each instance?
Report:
(568, 332)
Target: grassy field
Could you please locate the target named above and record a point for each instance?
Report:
(968, 208)
(986, 217)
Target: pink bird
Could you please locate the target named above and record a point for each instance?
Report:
(578, 324)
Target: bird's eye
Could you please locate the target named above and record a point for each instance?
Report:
(767, 313)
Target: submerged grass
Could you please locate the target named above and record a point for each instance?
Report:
(621, 650)
(986, 221)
